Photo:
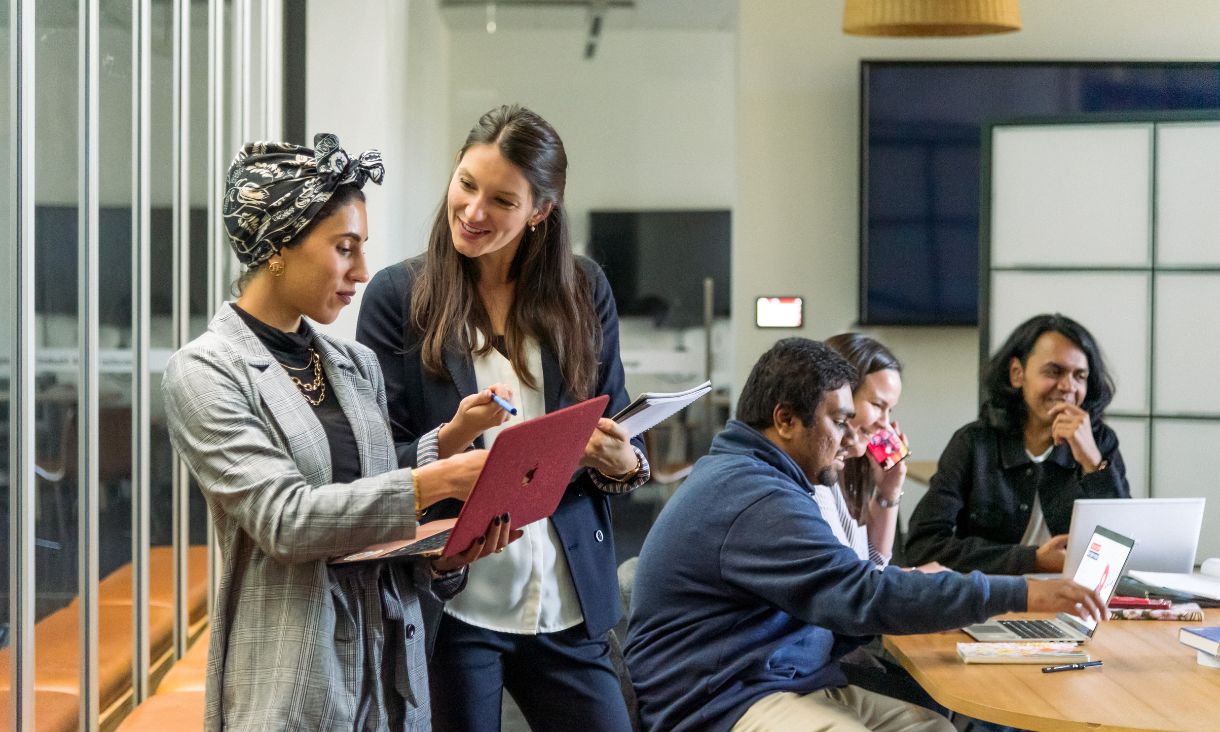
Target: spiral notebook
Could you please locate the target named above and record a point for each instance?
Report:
(651, 408)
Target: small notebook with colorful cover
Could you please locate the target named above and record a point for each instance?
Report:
(1176, 611)
(1022, 652)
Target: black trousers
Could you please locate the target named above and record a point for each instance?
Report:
(561, 681)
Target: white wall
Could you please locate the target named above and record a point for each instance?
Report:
(647, 123)
(365, 93)
(795, 225)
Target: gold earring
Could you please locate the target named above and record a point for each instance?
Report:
(276, 268)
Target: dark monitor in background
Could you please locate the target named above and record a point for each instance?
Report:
(656, 261)
(921, 124)
(55, 262)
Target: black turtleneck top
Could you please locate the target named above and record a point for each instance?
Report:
(292, 349)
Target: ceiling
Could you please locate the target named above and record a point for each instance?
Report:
(465, 15)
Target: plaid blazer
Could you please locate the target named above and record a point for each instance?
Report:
(297, 644)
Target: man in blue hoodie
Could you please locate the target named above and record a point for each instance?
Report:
(744, 599)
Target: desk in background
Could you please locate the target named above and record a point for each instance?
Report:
(919, 475)
(1149, 681)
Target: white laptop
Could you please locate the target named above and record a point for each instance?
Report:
(1166, 530)
(1103, 563)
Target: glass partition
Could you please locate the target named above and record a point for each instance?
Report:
(114, 460)
(158, 285)
(57, 408)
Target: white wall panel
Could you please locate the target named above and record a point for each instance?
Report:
(1133, 444)
(1183, 454)
(1071, 195)
(1188, 194)
(1186, 350)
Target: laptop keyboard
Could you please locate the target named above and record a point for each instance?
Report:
(1033, 629)
(436, 541)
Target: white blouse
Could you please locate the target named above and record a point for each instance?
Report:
(845, 528)
(527, 588)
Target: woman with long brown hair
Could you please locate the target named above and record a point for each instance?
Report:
(500, 304)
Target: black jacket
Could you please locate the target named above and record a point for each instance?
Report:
(419, 401)
(979, 502)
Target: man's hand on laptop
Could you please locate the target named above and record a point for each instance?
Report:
(1063, 595)
(453, 477)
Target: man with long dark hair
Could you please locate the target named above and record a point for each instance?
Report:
(745, 600)
(1001, 499)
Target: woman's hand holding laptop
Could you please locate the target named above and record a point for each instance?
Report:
(453, 477)
(1064, 595)
(500, 533)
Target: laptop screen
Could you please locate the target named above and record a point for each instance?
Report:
(1166, 530)
(1103, 562)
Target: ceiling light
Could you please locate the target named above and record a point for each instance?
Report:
(930, 17)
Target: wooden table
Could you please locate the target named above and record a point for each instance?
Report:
(1149, 681)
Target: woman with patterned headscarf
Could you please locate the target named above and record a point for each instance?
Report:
(286, 430)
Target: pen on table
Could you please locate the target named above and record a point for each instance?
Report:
(503, 404)
(1069, 667)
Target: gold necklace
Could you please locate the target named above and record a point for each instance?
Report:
(318, 385)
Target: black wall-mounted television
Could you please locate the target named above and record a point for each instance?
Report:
(920, 140)
(656, 261)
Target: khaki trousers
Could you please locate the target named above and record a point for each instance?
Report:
(849, 708)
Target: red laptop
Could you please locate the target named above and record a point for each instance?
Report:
(526, 473)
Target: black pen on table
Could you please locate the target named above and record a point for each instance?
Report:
(1070, 667)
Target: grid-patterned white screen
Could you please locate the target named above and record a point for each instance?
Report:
(1187, 349)
(1188, 194)
(1070, 195)
(1112, 305)
(1071, 230)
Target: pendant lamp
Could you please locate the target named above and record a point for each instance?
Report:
(930, 17)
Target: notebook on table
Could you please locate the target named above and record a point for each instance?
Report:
(1103, 563)
(526, 473)
(1166, 530)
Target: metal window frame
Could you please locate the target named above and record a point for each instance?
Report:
(87, 327)
(141, 315)
(21, 362)
(216, 235)
(181, 297)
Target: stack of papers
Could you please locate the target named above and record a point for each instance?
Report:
(1204, 584)
(650, 408)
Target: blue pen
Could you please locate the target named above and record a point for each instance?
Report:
(503, 404)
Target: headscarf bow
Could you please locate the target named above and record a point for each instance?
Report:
(274, 189)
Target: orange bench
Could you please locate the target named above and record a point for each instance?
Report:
(178, 703)
(57, 639)
(180, 711)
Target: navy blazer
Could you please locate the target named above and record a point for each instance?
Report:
(419, 401)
